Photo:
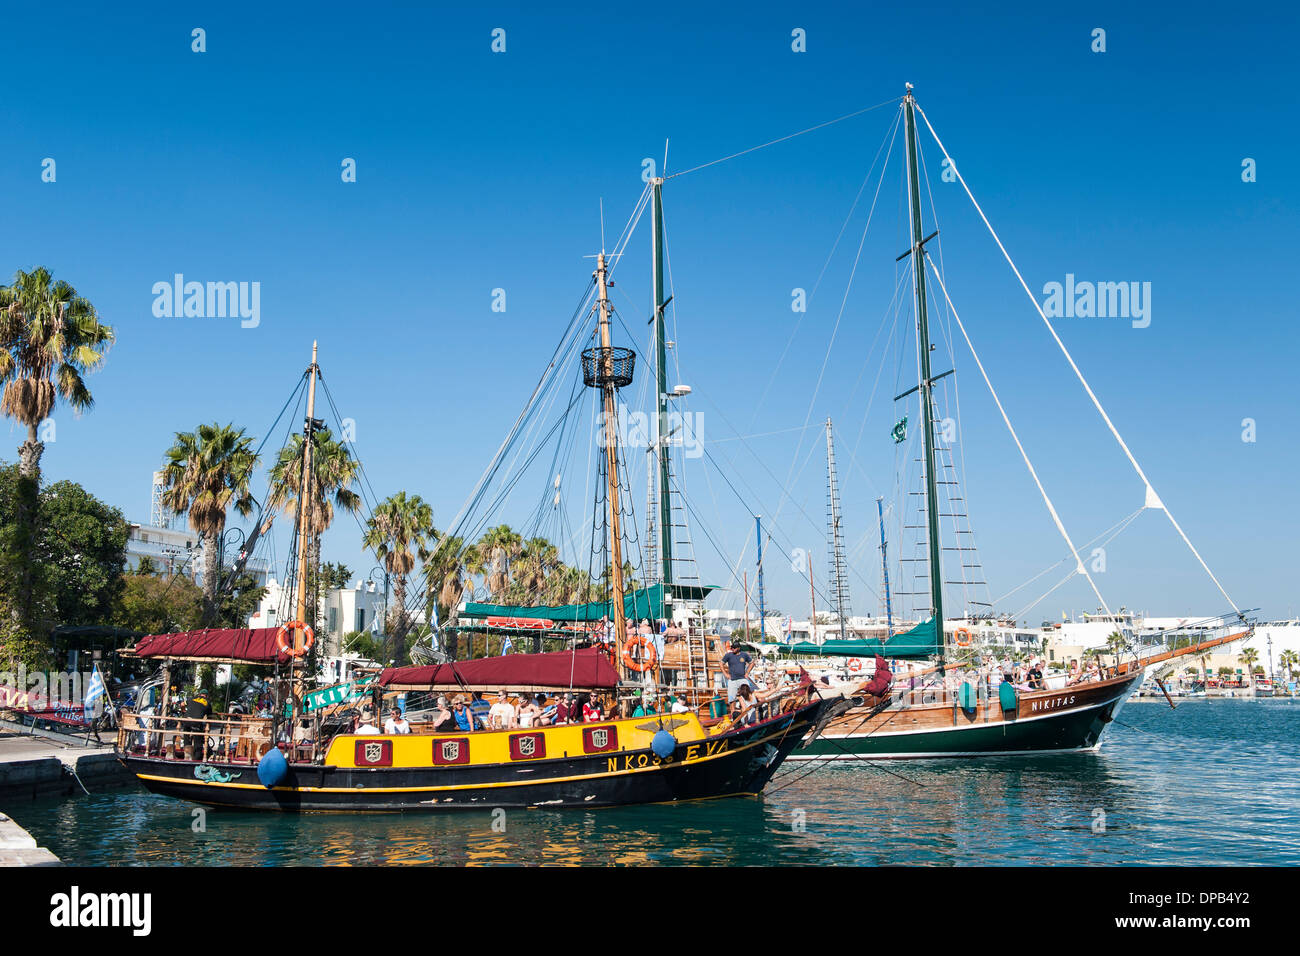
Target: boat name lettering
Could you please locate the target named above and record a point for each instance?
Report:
(1051, 703)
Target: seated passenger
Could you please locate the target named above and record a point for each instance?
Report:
(396, 723)
(566, 710)
(592, 710)
(366, 724)
(746, 706)
(444, 721)
(501, 716)
(466, 719)
(527, 713)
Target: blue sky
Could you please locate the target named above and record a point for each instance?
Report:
(479, 171)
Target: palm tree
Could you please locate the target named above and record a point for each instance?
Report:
(1205, 669)
(49, 338)
(538, 560)
(1248, 657)
(334, 471)
(1289, 659)
(448, 578)
(398, 531)
(207, 472)
(497, 548)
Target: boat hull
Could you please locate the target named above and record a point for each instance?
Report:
(1042, 724)
(737, 763)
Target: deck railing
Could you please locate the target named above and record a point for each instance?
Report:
(230, 738)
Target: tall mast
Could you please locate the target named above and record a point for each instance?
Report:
(839, 580)
(762, 610)
(926, 385)
(304, 495)
(812, 600)
(661, 388)
(607, 383)
(884, 569)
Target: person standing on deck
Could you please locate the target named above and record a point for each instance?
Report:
(736, 666)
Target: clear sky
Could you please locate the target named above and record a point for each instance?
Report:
(479, 171)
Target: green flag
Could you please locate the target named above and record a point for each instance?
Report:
(900, 431)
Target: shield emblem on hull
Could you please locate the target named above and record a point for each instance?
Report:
(527, 746)
(451, 750)
(597, 740)
(374, 753)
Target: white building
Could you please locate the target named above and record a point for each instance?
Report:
(343, 610)
(172, 550)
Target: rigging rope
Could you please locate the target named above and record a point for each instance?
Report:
(1153, 500)
(1079, 565)
(743, 152)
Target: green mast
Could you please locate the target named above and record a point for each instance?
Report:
(661, 391)
(927, 383)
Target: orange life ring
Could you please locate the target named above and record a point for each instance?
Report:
(287, 648)
(855, 665)
(959, 633)
(651, 655)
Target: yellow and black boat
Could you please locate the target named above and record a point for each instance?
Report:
(271, 765)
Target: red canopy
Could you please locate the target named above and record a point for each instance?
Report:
(587, 668)
(246, 645)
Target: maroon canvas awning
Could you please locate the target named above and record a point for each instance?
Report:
(557, 670)
(243, 645)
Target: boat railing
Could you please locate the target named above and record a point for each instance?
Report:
(231, 738)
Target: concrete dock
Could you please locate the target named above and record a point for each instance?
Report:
(34, 765)
(18, 847)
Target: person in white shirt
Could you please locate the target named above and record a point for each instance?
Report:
(679, 706)
(502, 714)
(365, 725)
(396, 723)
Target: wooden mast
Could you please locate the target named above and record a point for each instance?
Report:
(611, 457)
(304, 501)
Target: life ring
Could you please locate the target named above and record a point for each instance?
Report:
(287, 648)
(651, 655)
(963, 637)
(855, 665)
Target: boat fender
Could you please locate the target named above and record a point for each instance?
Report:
(1007, 696)
(272, 768)
(663, 744)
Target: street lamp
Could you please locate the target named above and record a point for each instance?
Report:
(377, 569)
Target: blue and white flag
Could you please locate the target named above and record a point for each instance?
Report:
(506, 646)
(94, 690)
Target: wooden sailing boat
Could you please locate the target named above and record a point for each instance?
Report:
(974, 719)
(313, 759)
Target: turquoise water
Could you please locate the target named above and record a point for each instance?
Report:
(1215, 782)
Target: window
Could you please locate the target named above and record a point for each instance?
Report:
(361, 619)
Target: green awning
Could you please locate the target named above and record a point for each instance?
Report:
(918, 643)
(639, 604)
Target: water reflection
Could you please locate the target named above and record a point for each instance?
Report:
(1213, 782)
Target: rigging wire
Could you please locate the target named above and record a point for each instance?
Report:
(1152, 499)
(782, 139)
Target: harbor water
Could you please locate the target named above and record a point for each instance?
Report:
(1214, 782)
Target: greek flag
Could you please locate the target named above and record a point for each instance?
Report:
(507, 645)
(94, 691)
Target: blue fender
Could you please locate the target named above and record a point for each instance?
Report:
(272, 768)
